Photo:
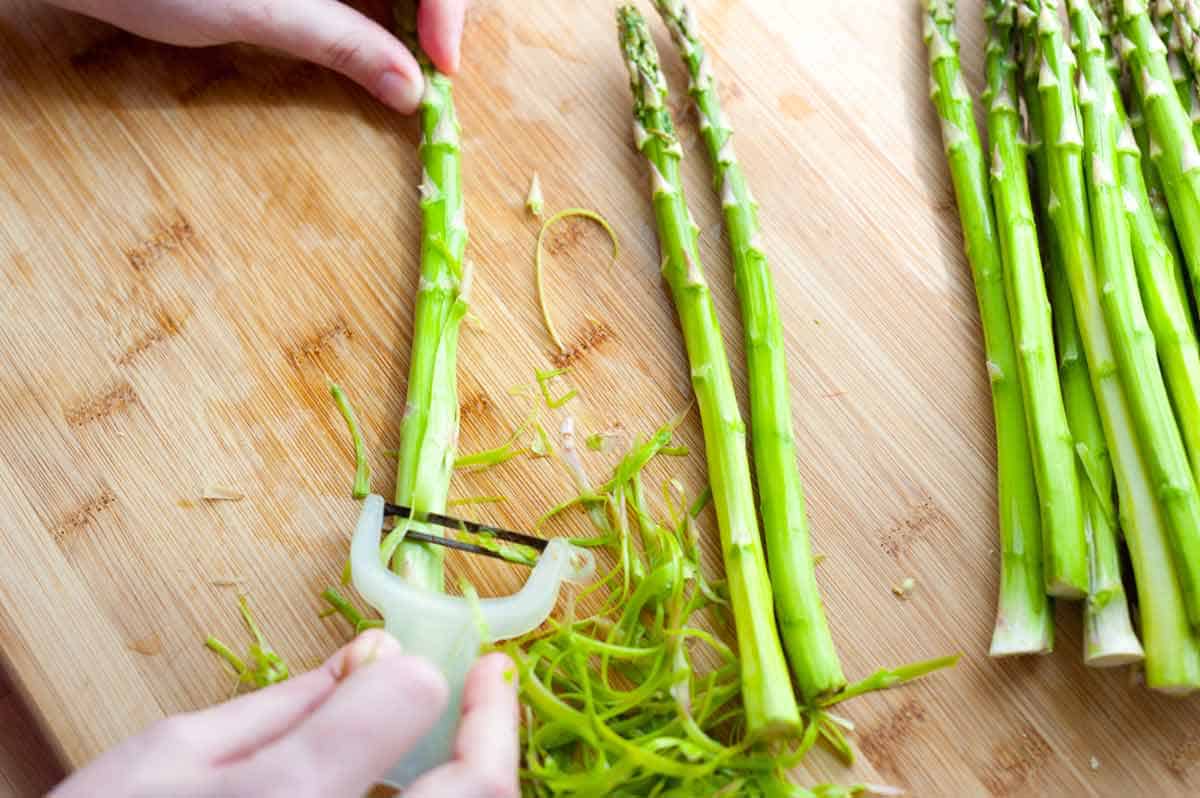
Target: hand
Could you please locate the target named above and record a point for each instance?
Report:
(327, 32)
(333, 731)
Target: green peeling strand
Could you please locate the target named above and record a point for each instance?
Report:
(340, 605)
(261, 666)
(362, 468)
(636, 699)
(488, 458)
(544, 378)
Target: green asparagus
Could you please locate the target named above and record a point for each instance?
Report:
(802, 623)
(766, 689)
(429, 429)
(1064, 562)
(1173, 143)
(1136, 356)
(1172, 659)
(1024, 622)
(1159, 281)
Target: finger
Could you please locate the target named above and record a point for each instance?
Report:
(440, 28)
(238, 727)
(486, 748)
(333, 34)
(348, 743)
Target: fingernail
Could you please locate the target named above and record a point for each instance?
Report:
(400, 91)
(370, 646)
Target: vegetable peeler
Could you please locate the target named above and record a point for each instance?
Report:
(449, 630)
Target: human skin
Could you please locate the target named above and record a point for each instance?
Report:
(332, 731)
(326, 32)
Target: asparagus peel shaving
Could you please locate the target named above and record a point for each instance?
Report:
(1064, 563)
(636, 699)
(1024, 623)
(771, 708)
(429, 429)
(362, 466)
(262, 666)
(802, 623)
(539, 270)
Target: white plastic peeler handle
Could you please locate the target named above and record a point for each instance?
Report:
(448, 630)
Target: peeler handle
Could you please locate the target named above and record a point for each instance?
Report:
(448, 630)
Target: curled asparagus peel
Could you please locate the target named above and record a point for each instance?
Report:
(429, 430)
(1064, 561)
(1024, 623)
(766, 688)
(802, 623)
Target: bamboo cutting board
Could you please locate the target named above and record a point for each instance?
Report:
(193, 241)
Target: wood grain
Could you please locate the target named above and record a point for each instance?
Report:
(194, 240)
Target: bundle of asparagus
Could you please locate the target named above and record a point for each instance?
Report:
(1096, 272)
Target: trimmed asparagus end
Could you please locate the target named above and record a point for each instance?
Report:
(534, 203)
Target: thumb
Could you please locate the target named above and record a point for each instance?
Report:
(332, 34)
(383, 705)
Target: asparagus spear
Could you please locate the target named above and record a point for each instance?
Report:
(429, 430)
(1159, 281)
(1024, 622)
(1064, 563)
(802, 623)
(1172, 655)
(1136, 355)
(1107, 640)
(766, 689)
(1183, 55)
(1173, 142)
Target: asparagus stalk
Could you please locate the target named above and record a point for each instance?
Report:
(429, 430)
(1064, 563)
(1109, 638)
(802, 623)
(1172, 657)
(766, 689)
(1157, 430)
(1024, 622)
(1160, 282)
(1173, 141)
(1108, 634)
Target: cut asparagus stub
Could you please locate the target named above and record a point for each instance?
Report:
(1064, 544)
(1108, 636)
(1024, 622)
(766, 687)
(802, 623)
(429, 430)
(1132, 342)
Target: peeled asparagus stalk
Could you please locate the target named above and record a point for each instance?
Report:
(771, 708)
(1024, 621)
(429, 430)
(802, 623)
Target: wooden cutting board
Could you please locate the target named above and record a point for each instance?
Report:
(193, 241)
